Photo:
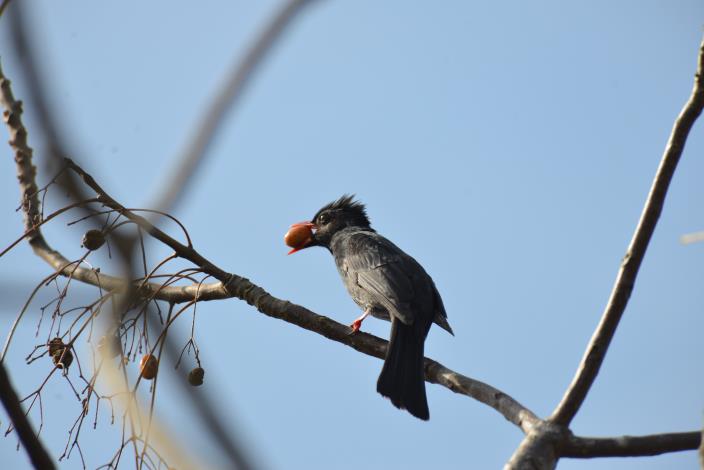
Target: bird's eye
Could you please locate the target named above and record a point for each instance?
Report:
(323, 219)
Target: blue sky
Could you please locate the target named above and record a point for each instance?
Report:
(508, 146)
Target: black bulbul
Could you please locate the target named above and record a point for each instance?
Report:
(388, 284)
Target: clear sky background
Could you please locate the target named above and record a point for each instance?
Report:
(508, 146)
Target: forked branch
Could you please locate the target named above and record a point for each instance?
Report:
(626, 277)
(540, 448)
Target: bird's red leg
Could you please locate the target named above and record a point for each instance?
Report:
(357, 324)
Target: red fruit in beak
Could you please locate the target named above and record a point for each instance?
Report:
(299, 236)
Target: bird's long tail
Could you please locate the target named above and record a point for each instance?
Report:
(402, 377)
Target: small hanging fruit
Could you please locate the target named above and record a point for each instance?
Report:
(55, 346)
(195, 376)
(148, 366)
(60, 353)
(63, 359)
(93, 239)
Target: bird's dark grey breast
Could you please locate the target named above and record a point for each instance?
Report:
(380, 276)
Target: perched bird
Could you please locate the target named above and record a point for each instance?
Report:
(386, 283)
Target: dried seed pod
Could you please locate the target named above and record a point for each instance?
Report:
(93, 239)
(195, 376)
(56, 345)
(63, 358)
(148, 366)
(298, 235)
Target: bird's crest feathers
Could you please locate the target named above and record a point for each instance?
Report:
(355, 209)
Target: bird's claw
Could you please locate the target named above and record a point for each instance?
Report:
(356, 325)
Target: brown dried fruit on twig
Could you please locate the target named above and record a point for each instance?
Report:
(148, 366)
(56, 345)
(93, 239)
(60, 353)
(63, 358)
(195, 377)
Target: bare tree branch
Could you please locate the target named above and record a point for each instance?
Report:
(629, 446)
(26, 171)
(264, 302)
(232, 285)
(537, 450)
(56, 151)
(545, 441)
(56, 145)
(37, 453)
(625, 280)
(224, 100)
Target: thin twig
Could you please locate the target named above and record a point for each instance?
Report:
(37, 453)
(44, 221)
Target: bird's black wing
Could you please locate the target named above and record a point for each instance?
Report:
(389, 277)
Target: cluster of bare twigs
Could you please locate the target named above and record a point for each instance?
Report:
(132, 335)
(133, 312)
(131, 304)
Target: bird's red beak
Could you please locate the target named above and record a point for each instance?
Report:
(299, 236)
